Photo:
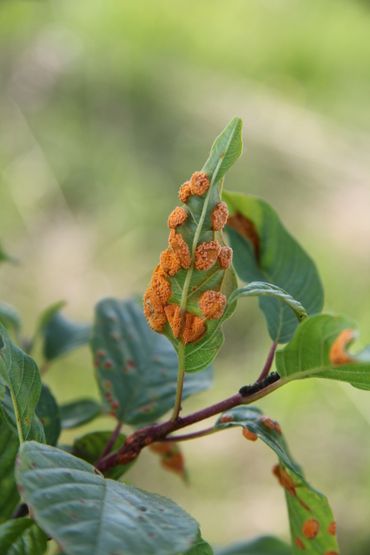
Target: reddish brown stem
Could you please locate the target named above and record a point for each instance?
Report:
(112, 440)
(193, 435)
(267, 367)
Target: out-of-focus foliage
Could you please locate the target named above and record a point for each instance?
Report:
(104, 107)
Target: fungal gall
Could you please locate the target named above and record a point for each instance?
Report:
(173, 314)
(185, 192)
(270, 424)
(311, 528)
(194, 328)
(177, 217)
(225, 257)
(206, 255)
(161, 285)
(338, 353)
(248, 434)
(180, 248)
(212, 304)
(219, 216)
(199, 183)
(154, 311)
(169, 262)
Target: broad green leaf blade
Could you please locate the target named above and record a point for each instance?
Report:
(266, 545)
(136, 368)
(76, 413)
(19, 379)
(48, 412)
(311, 520)
(22, 537)
(10, 318)
(61, 335)
(318, 350)
(263, 289)
(265, 251)
(187, 297)
(89, 515)
(91, 446)
(9, 496)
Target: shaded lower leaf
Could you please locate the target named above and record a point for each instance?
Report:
(310, 516)
(266, 545)
(171, 457)
(79, 412)
(318, 349)
(20, 389)
(22, 536)
(265, 251)
(136, 368)
(91, 446)
(48, 412)
(9, 496)
(61, 335)
(90, 515)
(10, 318)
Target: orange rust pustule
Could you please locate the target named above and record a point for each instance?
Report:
(284, 479)
(225, 257)
(248, 434)
(212, 304)
(270, 424)
(225, 419)
(171, 457)
(199, 183)
(247, 229)
(219, 216)
(173, 314)
(206, 255)
(311, 528)
(153, 310)
(180, 248)
(299, 543)
(332, 528)
(160, 285)
(185, 192)
(177, 217)
(338, 354)
(194, 328)
(169, 262)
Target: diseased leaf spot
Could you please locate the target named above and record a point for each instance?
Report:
(299, 543)
(180, 248)
(206, 255)
(332, 528)
(311, 528)
(169, 262)
(225, 257)
(338, 354)
(212, 304)
(177, 217)
(199, 183)
(219, 216)
(247, 229)
(284, 479)
(185, 192)
(248, 434)
(270, 424)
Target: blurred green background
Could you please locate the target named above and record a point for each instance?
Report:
(106, 107)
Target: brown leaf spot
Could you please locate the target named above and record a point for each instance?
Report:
(248, 434)
(180, 248)
(332, 528)
(225, 257)
(284, 479)
(177, 217)
(338, 354)
(206, 255)
(185, 192)
(299, 543)
(247, 229)
(212, 304)
(311, 528)
(219, 216)
(270, 424)
(199, 183)
(169, 262)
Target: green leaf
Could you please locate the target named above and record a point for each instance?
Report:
(311, 520)
(262, 289)
(318, 350)
(9, 496)
(200, 547)
(19, 379)
(135, 367)
(265, 251)
(10, 318)
(79, 412)
(91, 446)
(266, 545)
(187, 296)
(22, 537)
(89, 515)
(61, 335)
(48, 412)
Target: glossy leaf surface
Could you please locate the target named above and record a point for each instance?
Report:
(78, 412)
(319, 350)
(20, 382)
(136, 368)
(22, 537)
(311, 519)
(266, 545)
(265, 251)
(90, 515)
